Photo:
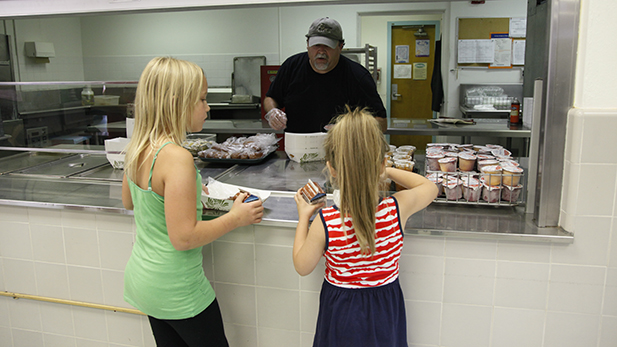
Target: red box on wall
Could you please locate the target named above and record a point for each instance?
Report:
(267, 75)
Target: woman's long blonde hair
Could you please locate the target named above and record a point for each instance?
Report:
(166, 96)
(355, 148)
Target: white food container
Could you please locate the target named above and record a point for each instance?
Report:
(130, 125)
(304, 148)
(219, 194)
(113, 149)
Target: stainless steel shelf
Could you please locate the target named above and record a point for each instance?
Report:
(238, 126)
(483, 127)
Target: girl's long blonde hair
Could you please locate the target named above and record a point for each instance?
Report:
(166, 95)
(355, 148)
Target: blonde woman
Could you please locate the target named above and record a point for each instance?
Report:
(164, 277)
(361, 236)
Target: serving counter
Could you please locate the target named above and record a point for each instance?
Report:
(99, 188)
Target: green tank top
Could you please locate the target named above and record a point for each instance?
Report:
(159, 280)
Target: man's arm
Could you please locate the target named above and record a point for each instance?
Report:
(269, 104)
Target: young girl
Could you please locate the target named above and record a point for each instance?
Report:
(361, 236)
(164, 277)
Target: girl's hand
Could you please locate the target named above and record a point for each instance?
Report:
(247, 213)
(305, 210)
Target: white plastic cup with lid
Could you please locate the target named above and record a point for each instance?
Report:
(492, 175)
(511, 175)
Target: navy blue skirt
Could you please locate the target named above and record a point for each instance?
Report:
(367, 317)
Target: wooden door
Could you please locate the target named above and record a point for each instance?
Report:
(412, 63)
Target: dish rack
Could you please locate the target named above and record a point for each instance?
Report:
(500, 192)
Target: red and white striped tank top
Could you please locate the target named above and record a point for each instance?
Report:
(346, 266)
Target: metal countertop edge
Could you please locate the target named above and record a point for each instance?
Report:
(567, 237)
(63, 206)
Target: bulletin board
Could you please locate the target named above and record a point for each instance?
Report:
(480, 29)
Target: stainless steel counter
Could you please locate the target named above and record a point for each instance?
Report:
(99, 189)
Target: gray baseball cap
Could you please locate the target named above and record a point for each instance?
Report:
(325, 31)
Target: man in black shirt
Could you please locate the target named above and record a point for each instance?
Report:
(315, 86)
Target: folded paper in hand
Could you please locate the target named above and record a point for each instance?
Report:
(220, 194)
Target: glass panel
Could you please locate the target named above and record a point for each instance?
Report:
(70, 115)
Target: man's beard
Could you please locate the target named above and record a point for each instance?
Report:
(321, 66)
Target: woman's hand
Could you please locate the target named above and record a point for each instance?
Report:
(247, 213)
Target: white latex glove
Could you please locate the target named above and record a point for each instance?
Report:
(277, 119)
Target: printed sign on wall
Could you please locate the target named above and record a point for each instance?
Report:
(402, 54)
(423, 48)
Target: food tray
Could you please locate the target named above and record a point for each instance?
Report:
(238, 161)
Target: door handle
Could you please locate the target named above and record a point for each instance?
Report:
(395, 95)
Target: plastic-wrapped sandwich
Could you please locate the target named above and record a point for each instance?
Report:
(313, 193)
(249, 198)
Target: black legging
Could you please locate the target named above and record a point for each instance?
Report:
(205, 329)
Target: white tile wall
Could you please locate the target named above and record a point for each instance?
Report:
(48, 243)
(56, 321)
(422, 277)
(308, 311)
(19, 276)
(521, 285)
(58, 340)
(240, 304)
(81, 246)
(458, 292)
(278, 308)
(469, 281)
(234, 263)
(516, 327)
(465, 325)
(524, 251)
(609, 331)
(25, 314)
(26, 338)
(15, 241)
(51, 280)
(610, 295)
(241, 335)
(576, 289)
(5, 335)
(569, 329)
(278, 337)
(423, 322)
